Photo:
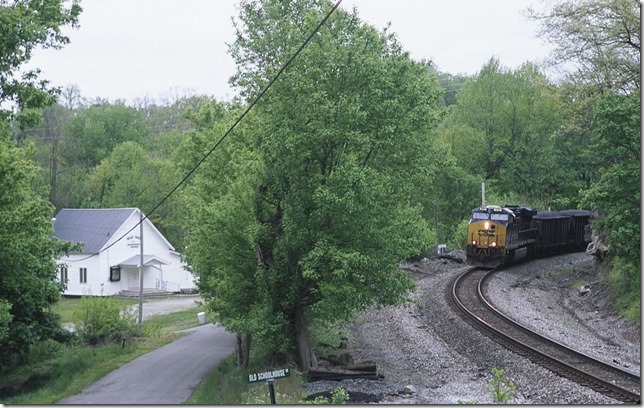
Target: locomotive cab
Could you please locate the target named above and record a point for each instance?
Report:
(486, 235)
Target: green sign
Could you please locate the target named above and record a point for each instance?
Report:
(268, 375)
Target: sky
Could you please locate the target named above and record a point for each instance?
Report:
(160, 49)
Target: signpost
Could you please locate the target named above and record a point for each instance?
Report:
(269, 376)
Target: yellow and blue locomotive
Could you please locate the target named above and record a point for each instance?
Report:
(500, 235)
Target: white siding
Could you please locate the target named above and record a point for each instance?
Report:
(98, 266)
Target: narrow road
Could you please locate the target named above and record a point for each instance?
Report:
(167, 375)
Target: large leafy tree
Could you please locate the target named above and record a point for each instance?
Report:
(220, 212)
(130, 177)
(88, 138)
(501, 130)
(616, 195)
(28, 278)
(600, 38)
(27, 24)
(28, 284)
(340, 139)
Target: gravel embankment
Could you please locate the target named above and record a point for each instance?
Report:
(447, 361)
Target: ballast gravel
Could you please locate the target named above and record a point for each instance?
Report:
(446, 361)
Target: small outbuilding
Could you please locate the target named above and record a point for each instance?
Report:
(110, 259)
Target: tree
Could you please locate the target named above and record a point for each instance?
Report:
(28, 283)
(94, 132)
(220, 213)
(616, 195)
(130, 177)
(28, 277)
(338, 138)
(600, 37)
(502, 130)
(89, 137)
(26, 25)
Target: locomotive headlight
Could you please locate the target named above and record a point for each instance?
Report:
(493, 244)
(474, 242)
(486, 225)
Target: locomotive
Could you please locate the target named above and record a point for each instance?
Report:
(499, 235)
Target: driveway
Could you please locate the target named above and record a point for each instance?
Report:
(167, 375)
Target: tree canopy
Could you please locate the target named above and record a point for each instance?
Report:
(26, 25)
(337, 139)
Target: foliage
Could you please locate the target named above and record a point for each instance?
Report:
(617, 193)
(5, 318)
(228, 385)
(28, 278)
(503, 391)
(104, 319)
(450, 195)
(220, 207)
(25, 26)
(339, 396)
(94, 132)
(53, 371)
(502, 128)
(131, 177)
(319, 194)
(600, 37)
(66, 308)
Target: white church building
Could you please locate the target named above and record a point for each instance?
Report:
(109, 262)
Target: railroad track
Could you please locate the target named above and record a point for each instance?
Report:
(467, 297)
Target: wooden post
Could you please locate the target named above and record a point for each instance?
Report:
(271, 390)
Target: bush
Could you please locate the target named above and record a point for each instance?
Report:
(103, 320)
(502, 389)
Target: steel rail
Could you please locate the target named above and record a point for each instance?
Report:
(550, 354)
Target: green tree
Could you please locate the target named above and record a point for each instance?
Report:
(89, 137)
(25, 26)
(220, 213)
(601, 38)
(616, 195)
(28, 282)
(28, 278)
(94, 132)
(338, 138)
(452, 193)
(451, 84)
(502, 130)
(129, 177)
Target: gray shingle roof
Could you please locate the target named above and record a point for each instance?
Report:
(94, 227)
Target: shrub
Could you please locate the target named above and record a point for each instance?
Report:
(103, 319)
(502, 389)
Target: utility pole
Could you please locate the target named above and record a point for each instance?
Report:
(141, 270)
(483, 193)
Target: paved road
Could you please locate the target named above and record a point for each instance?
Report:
(167, 375)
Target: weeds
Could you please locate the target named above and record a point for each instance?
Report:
(55, 370)
(502, 389)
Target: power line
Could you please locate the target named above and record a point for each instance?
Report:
(261, 94)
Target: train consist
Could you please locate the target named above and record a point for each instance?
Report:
(500, 235)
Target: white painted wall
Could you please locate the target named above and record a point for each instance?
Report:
(98, 266)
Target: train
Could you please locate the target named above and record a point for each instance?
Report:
(500, 235)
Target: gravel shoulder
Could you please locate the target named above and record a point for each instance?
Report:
(446, 361)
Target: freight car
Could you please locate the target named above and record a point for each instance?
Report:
(500, 235)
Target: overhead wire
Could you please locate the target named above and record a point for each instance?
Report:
(232, 127)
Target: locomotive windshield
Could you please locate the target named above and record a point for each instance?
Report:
(500, 217)
(480, 216)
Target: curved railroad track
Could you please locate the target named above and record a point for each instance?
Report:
(467, 298)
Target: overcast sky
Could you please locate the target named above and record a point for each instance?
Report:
(126, 49)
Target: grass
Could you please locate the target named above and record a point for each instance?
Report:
(67, 307)
(55, 371)
(226, 385)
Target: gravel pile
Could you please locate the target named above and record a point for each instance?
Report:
(446, 361)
